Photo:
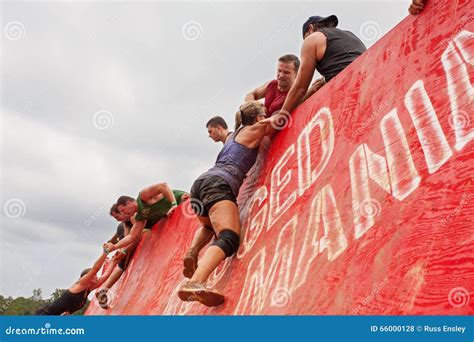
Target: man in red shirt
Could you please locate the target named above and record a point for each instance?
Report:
(275, 91)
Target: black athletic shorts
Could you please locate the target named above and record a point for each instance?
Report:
(207, 192)
(123, 264)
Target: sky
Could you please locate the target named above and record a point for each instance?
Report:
(100, 99)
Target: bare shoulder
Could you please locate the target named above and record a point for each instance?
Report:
(256, 129)
(144, 193)
(251, 136)
(79, 285)
(315, 39)
(151, 191)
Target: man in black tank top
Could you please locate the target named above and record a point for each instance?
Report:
(325, 48)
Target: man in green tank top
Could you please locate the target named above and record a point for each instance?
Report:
(152, 204)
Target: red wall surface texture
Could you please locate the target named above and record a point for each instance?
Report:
(362, 205)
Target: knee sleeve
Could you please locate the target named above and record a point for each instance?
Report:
(228, 241)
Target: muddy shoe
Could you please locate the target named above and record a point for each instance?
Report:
(190, 263)
(193, 291)
(102, 298)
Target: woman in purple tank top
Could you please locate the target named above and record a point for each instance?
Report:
(214, 199)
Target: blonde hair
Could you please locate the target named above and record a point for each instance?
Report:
(247, 113)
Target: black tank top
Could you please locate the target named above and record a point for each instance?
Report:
(342, 48)
(121, 229)
(68, 301)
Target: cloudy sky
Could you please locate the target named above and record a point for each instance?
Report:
(100, 99)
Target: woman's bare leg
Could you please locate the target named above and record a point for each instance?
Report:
(202, 237)
(112, 279)
(101, 294)
(223, 215)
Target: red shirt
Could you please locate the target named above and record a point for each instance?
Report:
(274, 98)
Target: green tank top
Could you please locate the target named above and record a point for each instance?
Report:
(154, 212)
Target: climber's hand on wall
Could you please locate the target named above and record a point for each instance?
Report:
(318, 84)
(416, 6)
(119, 256)
(171, 211)
(108, 247)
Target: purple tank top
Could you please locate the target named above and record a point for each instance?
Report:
(233, 163)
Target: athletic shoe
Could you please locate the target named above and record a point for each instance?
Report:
(102, 298)
(193, 291)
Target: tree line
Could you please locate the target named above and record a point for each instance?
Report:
(23, 306)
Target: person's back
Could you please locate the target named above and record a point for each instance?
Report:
(342, 48)
(233, 162)
(68, 302)
(152, 213)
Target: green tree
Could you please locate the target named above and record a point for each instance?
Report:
(37, 294)
(22, 306)
(56, 294)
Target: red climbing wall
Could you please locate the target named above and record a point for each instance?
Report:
(362, 205)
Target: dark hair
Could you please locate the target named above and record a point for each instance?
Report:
(317, 26)
(247, 113)
(290, 58)
(114, 210)
(320, 22)
(85, 271)
(123, 200)
(217, 121)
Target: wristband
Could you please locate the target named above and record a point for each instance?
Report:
(174, 204)
(123, 251)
